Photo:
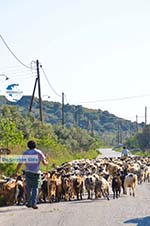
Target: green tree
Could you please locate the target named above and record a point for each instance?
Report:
(144, 138)
(9, 133)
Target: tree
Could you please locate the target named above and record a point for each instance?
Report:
(9, 134)
(144, 138)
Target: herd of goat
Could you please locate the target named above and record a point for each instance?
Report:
(78, 179)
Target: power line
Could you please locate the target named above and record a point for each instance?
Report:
(14, 72)
(11, 67)
(66, 98)
(13, 53)
(19, 74)
(49, 82)
(25, 76)
(116, 99)
(18, 71)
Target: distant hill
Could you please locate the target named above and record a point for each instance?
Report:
(100, 122)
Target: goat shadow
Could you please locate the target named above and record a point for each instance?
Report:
(12, 208)
(143, 221)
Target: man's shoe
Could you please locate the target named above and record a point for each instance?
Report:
(29, 206)
(35, 207)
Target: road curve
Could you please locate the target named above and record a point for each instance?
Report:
(127, 210)
(109, 153)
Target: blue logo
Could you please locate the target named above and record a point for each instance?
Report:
(13, 92)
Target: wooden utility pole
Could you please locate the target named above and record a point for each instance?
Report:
(145, 116)
(39, 91)
(62, 109)
(37, 80)
(119, 132)
(76, 116)
(137, 124)
(32, 98)
(121, 135)
(92, 128)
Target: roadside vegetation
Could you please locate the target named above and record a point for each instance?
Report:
(108, 126)
(59, 144)
(139, 144)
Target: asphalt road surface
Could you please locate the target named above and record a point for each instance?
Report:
(127, 211)
(109, 153)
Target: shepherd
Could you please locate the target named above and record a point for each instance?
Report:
(32, 172)
(125, 152)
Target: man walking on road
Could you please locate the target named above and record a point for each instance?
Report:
(32, 172)
(125, 152)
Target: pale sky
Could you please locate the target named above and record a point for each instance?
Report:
(95, 51)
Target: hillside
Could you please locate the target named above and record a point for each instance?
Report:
(100, 122)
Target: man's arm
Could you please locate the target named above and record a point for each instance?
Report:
(45, 162)
(129, 153)
(43, 159)
(18, 167)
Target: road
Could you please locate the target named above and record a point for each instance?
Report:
(126, 210)
(109, 153)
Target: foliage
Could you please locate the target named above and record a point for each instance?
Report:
(140, 143)
(143, 154)
(7, 168)
(144, 138)
(75, 138)
(59, 144)
(132, 142)
(9, 134)
(94, 121)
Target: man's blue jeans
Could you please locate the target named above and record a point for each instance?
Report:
(32, 185)
(31, 195)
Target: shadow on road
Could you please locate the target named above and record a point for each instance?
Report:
(11, 209)
(88, 201)
(144, 221)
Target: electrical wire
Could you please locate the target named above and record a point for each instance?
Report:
(25, 76)
(116, 99)
(13, 53)
(49, 82)
(66, 98)
(18, 71)
(15, 72)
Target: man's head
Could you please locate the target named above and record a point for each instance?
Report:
(31, 144)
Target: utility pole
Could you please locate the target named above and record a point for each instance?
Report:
(118, 133)
(39, 91)
(32, 98)
(121, 135)
(136, 123)
(92, 128)
(78, 111)
(37, 80)
(145, 116)
(88, 122)
(76, 116)
(62, 109)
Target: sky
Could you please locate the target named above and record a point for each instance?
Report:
(96, 52)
